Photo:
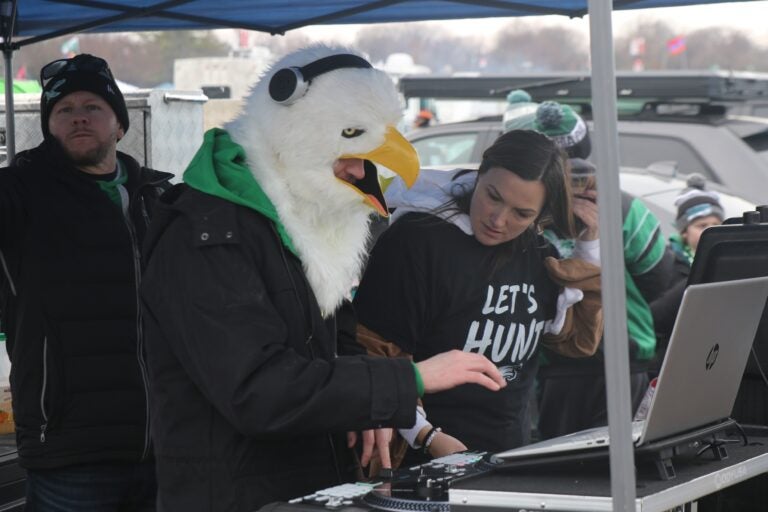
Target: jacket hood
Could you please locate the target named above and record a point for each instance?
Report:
(432, 192)
(219, 168)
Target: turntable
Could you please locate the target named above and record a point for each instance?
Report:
(422, 488)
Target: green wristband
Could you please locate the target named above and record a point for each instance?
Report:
(419, 380)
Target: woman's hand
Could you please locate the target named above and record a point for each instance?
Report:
(585, 208)
(444, 444)
(450, 369)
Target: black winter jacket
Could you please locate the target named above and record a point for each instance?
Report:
(664, 308)
(245, 382)
(69, 306)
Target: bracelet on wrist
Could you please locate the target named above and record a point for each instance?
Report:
(429, 438)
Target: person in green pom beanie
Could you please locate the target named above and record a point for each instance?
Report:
(521, 111)
(565, 127)
(571, 391)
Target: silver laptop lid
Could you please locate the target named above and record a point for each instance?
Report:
(701, 373)
(706, 356)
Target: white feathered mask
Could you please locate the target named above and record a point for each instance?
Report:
(342, 114)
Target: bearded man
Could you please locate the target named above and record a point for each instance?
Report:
(73, 214)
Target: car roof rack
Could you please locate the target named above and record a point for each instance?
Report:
(689, 86)
(670, 111)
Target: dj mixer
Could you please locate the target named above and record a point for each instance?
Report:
(422, 488)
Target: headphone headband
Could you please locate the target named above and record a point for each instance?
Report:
(289, 84)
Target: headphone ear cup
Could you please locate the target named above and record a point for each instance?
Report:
(287, 85)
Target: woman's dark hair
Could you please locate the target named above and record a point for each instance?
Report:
(533, 157)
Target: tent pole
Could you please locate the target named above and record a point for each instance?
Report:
(10, 123)
(615, 339)
(7, 25)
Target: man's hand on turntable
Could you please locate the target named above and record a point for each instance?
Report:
(377, 439)
(453, 368)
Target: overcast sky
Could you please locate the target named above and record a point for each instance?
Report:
(750, 17)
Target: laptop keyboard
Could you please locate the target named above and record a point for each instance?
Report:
(582, 440)
(599, 435)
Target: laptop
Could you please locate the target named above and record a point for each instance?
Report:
(699, 378)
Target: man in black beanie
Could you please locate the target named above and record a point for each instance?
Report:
(73, 214)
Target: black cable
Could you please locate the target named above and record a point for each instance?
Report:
(743, 434)
(714, 443)
(719, 442)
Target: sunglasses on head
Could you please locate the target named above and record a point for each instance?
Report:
(87, 63)
(582, 180)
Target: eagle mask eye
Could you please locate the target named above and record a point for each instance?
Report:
(350, 133)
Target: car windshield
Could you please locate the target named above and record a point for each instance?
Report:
(644, 150)
(447, 149)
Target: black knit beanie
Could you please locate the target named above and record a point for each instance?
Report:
(82, 73)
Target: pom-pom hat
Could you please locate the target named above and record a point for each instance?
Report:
(565, 127)
(520, 113)
(694, 202)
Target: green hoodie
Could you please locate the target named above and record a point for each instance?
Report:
(219, 168)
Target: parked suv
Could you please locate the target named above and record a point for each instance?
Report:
(704, 122)
(714, 150)
(460, 145)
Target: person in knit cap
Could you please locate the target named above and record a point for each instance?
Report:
(697, 210)
(521, 111)
(565, 127)
(572, 391)
(73, 214)
(423, 118)
(82, 73)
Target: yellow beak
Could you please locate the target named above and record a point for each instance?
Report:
(396, 154)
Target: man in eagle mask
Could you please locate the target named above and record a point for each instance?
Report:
(247, 262)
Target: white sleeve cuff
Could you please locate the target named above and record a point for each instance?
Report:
(587, 250)
(567, 298)
(409, 434)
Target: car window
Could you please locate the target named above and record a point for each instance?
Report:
(759, 142)
(446, 148)
(644, 150)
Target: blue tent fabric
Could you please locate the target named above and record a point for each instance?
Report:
(43, 19)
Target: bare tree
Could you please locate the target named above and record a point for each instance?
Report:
(722, 48)
(523, 47)
(710, 48)
(144, 58)
(655, 35)
(441, 52)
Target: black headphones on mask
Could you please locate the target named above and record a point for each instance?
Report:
(290, 84)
